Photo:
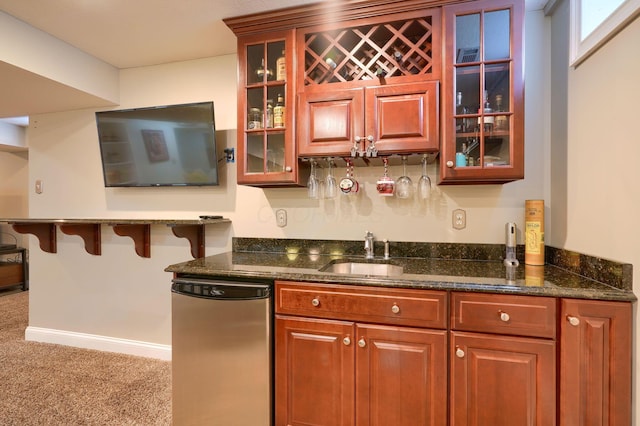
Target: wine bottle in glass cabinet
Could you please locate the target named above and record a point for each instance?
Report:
(483, 106)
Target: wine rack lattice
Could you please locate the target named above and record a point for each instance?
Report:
(394, 49)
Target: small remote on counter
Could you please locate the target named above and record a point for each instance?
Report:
(206, 217)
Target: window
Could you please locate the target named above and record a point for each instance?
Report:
(593, 22)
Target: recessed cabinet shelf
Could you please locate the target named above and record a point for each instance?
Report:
(90, 231)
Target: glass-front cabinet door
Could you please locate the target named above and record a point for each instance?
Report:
(266, 110)
(483, 108)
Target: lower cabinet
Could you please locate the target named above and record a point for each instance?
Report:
(502, 360)
(595, 363)
(338, 373)
(499, 380)
(357, 355)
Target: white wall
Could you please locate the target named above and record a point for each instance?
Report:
(595, 181)
(121, 295)
(14, 176)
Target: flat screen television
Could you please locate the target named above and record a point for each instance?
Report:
(170, 145)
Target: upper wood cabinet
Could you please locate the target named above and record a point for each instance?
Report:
(266, 115)
(369, 87)
(483, 93)
(367, 78)
(371, 121)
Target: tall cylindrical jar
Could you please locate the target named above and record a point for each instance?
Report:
(534, 232)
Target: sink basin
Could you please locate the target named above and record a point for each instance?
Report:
(362, 268)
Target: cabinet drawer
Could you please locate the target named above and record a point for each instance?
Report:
(420, 308)
(504, 314)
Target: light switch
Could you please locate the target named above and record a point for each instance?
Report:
(38, 186)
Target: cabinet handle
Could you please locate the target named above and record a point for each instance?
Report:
(346, 341)
(574, 321)
(395, 309)
(459, 353)
(449, 163)
(288, 169)
(362, 343)
(504, 316)
(315, 301)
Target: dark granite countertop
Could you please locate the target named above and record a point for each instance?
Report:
(482, 273)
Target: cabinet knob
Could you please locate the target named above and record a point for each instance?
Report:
(288, 169)
(395, 309)
(449, 163)
(504, 317)
(362, 343)
(346, 341)
(459, 353)
(574, 321)
(315, 301)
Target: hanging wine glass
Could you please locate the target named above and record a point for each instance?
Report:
(330, 184)
(424, 183)
(404, 184)
(312, 183)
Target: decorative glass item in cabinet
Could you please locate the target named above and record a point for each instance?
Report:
(255, 109)
(257, 68)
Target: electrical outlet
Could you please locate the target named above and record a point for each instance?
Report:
(281, 218)
(459, 219)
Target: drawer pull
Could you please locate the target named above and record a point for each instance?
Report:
(574, 321)
(346, 341)
(459, 353)
(504, 317)
(315, 301)
(395, 309)
(362, 343)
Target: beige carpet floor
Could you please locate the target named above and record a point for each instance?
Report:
(46, 384)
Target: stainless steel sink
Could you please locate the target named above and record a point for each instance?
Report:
(362, 268)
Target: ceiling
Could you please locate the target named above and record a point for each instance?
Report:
(126, 34)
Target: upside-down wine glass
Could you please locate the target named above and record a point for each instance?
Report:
(404, 185)
(330, 184)
(312, 183)
(424, 183)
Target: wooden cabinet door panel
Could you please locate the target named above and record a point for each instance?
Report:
(401, 376)
(328, 122)
(403, 118)
(595, 363)
(314, 372)
(502, 381)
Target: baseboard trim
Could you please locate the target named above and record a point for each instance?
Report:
(100, 343)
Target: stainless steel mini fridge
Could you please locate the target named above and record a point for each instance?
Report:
(221, 353)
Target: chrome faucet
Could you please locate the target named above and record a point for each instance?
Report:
(368, 245)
